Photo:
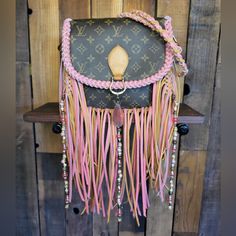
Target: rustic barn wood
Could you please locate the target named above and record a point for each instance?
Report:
(204, 23)
(202, 50)
(51, 194)
(189, 190)
(76, 222)
(148, 6)
(100, 9)
(26, 183)
(160, 217)
(44, 40)
(210, 220)
(27, 219)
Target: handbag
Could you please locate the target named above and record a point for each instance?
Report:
(119, 95)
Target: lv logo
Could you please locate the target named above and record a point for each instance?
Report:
(117, 31)
(81, 30)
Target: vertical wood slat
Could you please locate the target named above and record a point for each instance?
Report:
(129, 227)
(76, 224)
(100, 9)
(51, 194)
(146, 6)
(203, 35)
(160, 217)
(210, 220)
(178, 10)
(44, 40)
(27, 220)
(106, 8)
(202, 50)
(189, 191)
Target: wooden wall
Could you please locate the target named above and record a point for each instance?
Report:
(40, 188)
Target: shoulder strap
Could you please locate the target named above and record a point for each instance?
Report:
(166, 33)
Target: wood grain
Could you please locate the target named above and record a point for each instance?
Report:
(103, 9)
(160, 217)
(189, 190)
(27, 220)
(74, 9)
(210, 214)
(178, 10)
(77, 224)
(202, 50)
(51, 194)
(147, 6)
(44, 40)
(106, 8)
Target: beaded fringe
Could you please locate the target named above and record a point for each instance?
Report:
(90, 148)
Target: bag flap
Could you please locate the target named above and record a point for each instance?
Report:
(90, 42)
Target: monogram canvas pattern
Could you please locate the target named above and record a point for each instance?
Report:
(91, 42)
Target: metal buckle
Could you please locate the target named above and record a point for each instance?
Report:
(114, 92)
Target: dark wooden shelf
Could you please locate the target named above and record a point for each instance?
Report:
(49, 113)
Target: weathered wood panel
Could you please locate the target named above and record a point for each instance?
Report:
(129, 227)
(76, 224)
(106, 8)
(22, 40)
(146, 6)
(189, 191)
(160, 217)
(51, 194)
(178, 10)
(27, 220)
(210, 214)
(74, 9)
(202, 50)
(100, 9)
(44, 40)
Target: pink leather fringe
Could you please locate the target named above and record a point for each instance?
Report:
(91, 145)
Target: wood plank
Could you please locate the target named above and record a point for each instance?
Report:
(76, 224)
(27, 220)
(128, 226)
(201, 57)
(203, 34)
(189, 190)
(103, 9)
(51, 194)
(106, 8)
(74, 9)
(22, 41)
(49, 113)
(210, 214)
(160, 217)
(44, 40)
(27, 216)
(178, 10)
(146, 6)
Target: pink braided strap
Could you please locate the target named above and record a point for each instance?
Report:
(169, 58)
